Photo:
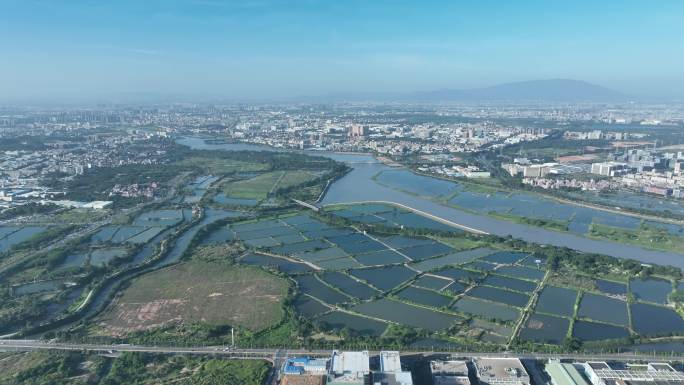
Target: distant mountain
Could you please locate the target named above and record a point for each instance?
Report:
(553, 90)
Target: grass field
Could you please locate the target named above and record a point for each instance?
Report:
(648, 237)
(294, 178)
(261, 185)
(459, 243)
(198, 292)
(217, 166)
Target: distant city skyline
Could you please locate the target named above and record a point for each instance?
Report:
(263, 49)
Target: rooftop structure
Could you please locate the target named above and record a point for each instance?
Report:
(305, 379)
(501, 371)
(449, 373)
(609, 168)
(349, 368)
(305, 365)
(390, 370)
(564, 374)
(390, 361)
(399, 378)
(602, 373)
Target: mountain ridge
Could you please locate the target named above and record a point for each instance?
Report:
(555, 90)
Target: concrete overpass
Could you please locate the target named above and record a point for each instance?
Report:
(270, 354)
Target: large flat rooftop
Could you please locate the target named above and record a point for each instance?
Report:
(501, 371)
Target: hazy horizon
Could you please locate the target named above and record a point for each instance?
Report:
(263, 49)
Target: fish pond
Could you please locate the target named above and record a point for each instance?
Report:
(349, 285)
(424, 297)
(430, 282)
(309, 307)
(279, 264)
(397, 312)
(521, 272)
(498, 295)
(338, 320)
(611, 287)
(509, 283)
(505, 257)
(651, 289)
(100, 257)
(644, 315)
(545, 329)
(456, 258)
(11, 236)
(604, 309)
(557, 300)
(379, 258)
(593, 331)
(385, 278)
(38, 287)
(310, 285)
(486, 310)
(459, 274)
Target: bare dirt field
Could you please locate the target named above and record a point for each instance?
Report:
(211, 293)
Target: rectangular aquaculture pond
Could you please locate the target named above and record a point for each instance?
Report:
(384, 278)
(407, 314)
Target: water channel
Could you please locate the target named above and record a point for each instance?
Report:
(359, 186)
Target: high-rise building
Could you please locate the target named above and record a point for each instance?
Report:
(358, 130)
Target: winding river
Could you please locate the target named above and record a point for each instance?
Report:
(359, 186)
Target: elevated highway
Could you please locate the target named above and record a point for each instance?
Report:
(278, 354)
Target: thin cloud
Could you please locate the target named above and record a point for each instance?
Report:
(141, 51)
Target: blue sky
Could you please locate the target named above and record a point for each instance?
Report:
(272, 48)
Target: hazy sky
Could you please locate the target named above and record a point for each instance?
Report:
(271, 48)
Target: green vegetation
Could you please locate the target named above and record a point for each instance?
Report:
(646, 236)
(260, 186)
(569, 278)
(257, 187)
(459, 243)
(96, 183)
(290, 175)
(27, 142)
(27, 210)
(78, 216)
(43, 368)
(677, 296)
(199, 300)
(281, 172)
(537, 222)
(294, 178)
(219, 166)
(43, 238)
(133, 368)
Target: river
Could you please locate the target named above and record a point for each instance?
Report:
(359, 186)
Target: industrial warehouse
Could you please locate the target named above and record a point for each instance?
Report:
(385, 368)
